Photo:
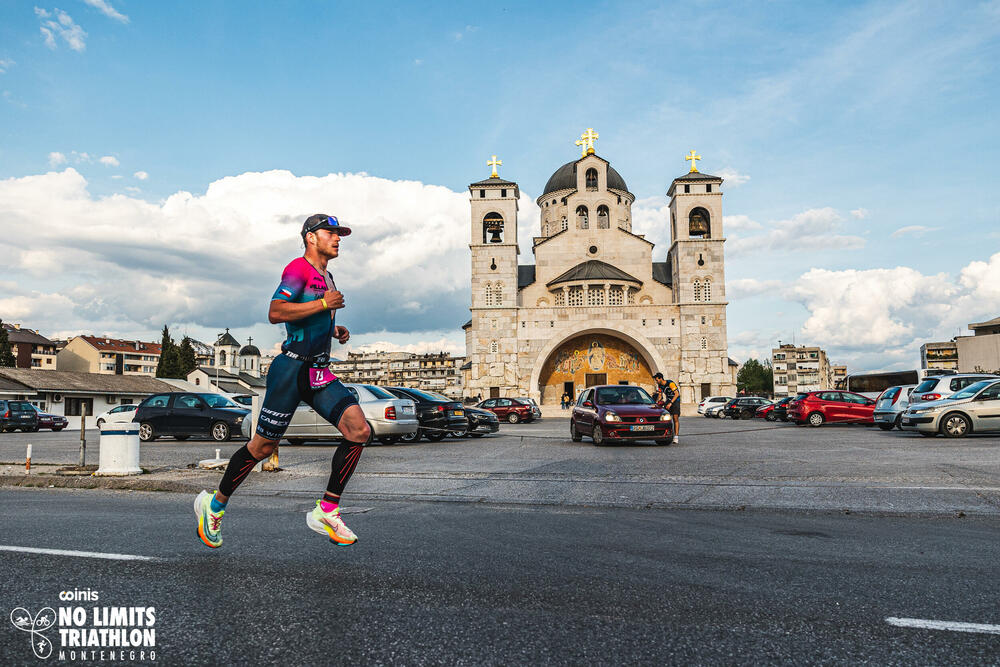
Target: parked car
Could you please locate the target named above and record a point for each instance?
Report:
(18, 416)
(617, 412)
(943, 386)
(710, 401)
(715, 409)
(186, 414)
(438, 415)
(974, 409)
(744, 407)
(511, 410)
(818, 407)
(536, 412)
(119, 414)
(481, 422)
(246, 400)
(890, 406)
(780, 411)
(389, 418)
(770, 411)
(49, 421)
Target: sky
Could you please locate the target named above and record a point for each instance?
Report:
(157, 159)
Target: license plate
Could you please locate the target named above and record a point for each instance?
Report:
(906, 421)
(458, 413)
(643, 427)
(407, 409)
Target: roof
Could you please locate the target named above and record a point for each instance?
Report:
(105, 344)
(662, 272)
(11, 387)
(227, 339)
(79, 382)
(565, 178)
(466, 366)
(214, 372)
(492, 181)
(250, 349)
(525, 275)
(733, 362)
(467, 324)
(15, 335)
(594, 269)
(698, 176)
(995, 322)
(231, 387)
(253, 381)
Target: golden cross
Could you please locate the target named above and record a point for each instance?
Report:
(494, 163)
(588, 138)
(694, 165)
(583, 145)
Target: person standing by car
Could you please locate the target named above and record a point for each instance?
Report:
(565, 400)
(668, 394)
(306, 301)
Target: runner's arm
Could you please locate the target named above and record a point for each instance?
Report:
(286, 311)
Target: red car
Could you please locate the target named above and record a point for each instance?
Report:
(612, 413)
(53, 422)
(510, 409)
(818, 407)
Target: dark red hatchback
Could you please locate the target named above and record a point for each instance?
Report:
(617, 412)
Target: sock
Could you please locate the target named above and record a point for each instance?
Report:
(330, 502)
(239, 467)
(345, 460)
(216, 506)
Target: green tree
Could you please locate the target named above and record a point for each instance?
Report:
(169, 365)
(186, 357)
(7, 359)
(755, 377)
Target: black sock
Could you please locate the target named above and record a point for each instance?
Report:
(239, 467)
(345, 460)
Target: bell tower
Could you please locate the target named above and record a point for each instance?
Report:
(696, 237)
(493, 242)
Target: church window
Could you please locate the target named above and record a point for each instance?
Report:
(603, 220)
(565, 223)
(708, 188)
(222, 357)
(687, 188)
(582, 217)
(560, 298)
(697, 290)
(503, 192)
(575, 296)
(493, 228)
(672, 321)
(615, 296)
(591, 179)
(699, 223)
(659, 322)
(497, 294)
(482, 194)
(704, 343)
(619, 199)
(708, 289)
(703, 319)
(595, 296)
(644, 323)
(494, 347)
(631, 297)
(553, 202)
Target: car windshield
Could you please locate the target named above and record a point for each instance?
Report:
(20, 405)
(623, 396)
(926, 385)
(377, 392)
(971, 390)
(219, 401)
(244, 400)
(429, 395)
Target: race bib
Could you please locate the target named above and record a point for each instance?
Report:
(320, 377)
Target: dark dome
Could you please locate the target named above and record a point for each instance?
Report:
(251, 350)
(565, 177)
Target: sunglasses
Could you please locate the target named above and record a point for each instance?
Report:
(330, 220)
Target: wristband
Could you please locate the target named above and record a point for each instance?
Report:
(323, 301)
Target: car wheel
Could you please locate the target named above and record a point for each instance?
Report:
(57, 429)
(816, 419)
(747, 415)
(461, 433)
(770, 417)
(513, 418)
(899, 421)
(389, 439)
(181, 437)
(220, 431)
(707, 415)
(784, 419)
(885, 427)
(100, 423)
(146, 432)
(597, 435)
(476, 435)
(436, 437)
(955, 425)
(411, 437)
(574, 436)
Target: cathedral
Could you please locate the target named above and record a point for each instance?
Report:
(595, 307)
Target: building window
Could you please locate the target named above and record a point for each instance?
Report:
(704, 343)
(591, 179)
(565, 223)
(687, 188)
(708, 289)
(197, 381)
(493, 228)
(494, 347)
(703, 319)
(615, 298)
(603, 219)
(631, 297)
(595, 296)
(697, 290)
(708, 188)
(575, 296)
(560, 299)
(482, 194)
(582, 217)
(503, 192)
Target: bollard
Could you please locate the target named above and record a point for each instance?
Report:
(83, 434)
(27, 462)
(217, 450)
(119, 450)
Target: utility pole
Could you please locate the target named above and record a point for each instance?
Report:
(83, 433)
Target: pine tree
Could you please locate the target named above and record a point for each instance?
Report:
(168, 365)
(186, 357)
(7, 359)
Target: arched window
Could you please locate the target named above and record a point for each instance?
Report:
(575, 296)
(595, 295)
(603, 219)
(582, 217)
(493, 228)
(708, 289)
(222, 357)
(565, 223)
(704, 343)
(488, 293)
(497, 294)
(591, 179)
(697, 290)
(494, 347)
(699, 222)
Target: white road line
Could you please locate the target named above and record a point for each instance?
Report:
(79, 554)
(953, 626)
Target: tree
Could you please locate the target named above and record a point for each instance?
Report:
(169, 365)
(186, 357)
(755, 377)
(7, 359)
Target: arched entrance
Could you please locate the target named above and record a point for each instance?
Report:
(591, 358)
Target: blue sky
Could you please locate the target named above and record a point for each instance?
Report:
(859, 143)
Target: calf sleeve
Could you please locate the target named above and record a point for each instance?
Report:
(345, 460)
(239, 467)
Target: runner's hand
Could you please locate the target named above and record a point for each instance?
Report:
(334, 299)
(341, 334)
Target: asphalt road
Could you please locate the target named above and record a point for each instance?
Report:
(451, 583)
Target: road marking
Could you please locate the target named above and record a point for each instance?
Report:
(79, 554)
(954, 626)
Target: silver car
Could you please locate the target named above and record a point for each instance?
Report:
(975, 409)
(389, 417)
(890, 406)
(942, 386)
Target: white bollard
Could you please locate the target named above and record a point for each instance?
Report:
(119, 450)
(27, 462)
(217, 450)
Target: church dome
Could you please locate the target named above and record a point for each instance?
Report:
(565, 178)
(250, 350)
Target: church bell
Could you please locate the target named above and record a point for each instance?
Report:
(698, 226)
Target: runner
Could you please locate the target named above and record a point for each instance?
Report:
(306, 301)
(669, 395)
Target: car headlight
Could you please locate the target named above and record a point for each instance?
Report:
(921, 412)
(611, 417)
(665, 417)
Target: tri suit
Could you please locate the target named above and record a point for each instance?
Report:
(302, 371)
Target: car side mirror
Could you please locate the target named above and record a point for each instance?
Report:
(588, 404)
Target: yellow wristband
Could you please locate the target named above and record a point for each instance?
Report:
(323, 301)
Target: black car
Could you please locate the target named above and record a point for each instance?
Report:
(438, 415)
(481, 422)
(184, 414)
(744, 407)
(18, 415)
(780, 411)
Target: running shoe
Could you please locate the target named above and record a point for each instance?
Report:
(676, 440)
(330, 524)
(209, 522)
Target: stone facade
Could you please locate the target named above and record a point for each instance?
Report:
(595, 307)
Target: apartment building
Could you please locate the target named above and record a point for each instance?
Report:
(30, 348)
(839, 375)
(438, 372)
(980, 351)
(939, 355)
(798, 369)
(109, 356)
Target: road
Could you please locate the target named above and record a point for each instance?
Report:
(452, 583)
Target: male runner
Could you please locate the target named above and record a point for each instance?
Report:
(669, 395)
(306, 301)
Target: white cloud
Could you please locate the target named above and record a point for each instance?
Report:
(106, 9)
(820, 226)
(134, 190)
(744, 287)
(5, 64)
(732, 177)
(61, 26)
(117, 177)
(141, 175)
(109, 161)
(914, 230)
(56, 158)
(859, 213)
(739, 223)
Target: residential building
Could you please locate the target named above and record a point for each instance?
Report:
(939, 355)
(798, 369)
(109, 356)
(438, 371)
(839, 375)
(30, 348)
(980, 351)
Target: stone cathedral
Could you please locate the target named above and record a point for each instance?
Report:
(595, 307)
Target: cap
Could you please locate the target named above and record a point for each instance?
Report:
(324, 221)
